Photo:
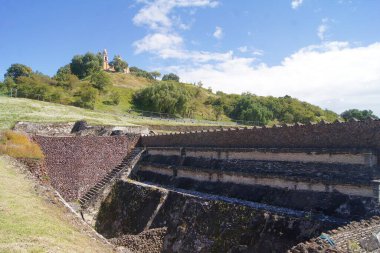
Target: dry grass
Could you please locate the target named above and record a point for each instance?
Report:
(19, 145)
(130, 81)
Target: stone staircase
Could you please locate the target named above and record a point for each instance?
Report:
(126, 164)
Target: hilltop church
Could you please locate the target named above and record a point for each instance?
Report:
(106, 65)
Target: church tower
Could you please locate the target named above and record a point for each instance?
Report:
(105, 60)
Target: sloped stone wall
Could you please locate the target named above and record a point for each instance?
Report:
(75, 164)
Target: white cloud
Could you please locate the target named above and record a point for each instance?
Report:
(322, 29)
(253, 51)
(296, 3)
(332, 75)
(155, 13)
(218, 34)
(243, 49)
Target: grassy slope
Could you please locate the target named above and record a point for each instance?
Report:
(30, 223)
(126, 85)
(22, 109)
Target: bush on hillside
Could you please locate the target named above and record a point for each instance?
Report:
(86, 97)
(358, 114)
(101, 81)
(170, 77)
(141, 73)
(16, 70)
(86, 65)
(118, 64)
(165, 97)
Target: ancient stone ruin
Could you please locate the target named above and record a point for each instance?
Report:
(301, 188)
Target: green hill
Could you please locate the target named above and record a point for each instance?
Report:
(118, 93)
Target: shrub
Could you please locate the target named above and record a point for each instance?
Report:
(86, 97)
(19, 145)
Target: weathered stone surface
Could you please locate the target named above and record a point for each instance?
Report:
(363, 134)
(195, 224)
(75, 164)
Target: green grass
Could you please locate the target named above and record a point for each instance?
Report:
(30, 223)
(22, 109)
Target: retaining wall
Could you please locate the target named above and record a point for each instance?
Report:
(198, 224)
(75, 164)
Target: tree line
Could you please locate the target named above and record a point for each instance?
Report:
(82, 81)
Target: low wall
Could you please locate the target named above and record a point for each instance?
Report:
(65, 129)
(75, 164)
(363, 134)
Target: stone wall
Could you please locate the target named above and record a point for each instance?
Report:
(75, 164)
(199, 224)
(356, 236)
(363, 134)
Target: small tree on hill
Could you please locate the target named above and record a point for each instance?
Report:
(118, 64)
(86, 97)
(17, 70)
(155, 74)
(101, 81)
(170, 77)
(85, 65)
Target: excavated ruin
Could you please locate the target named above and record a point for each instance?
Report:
(301, 188)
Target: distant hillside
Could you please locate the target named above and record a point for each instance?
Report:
(83, 83)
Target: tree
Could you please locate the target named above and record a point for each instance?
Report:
(155, 74)
(65, 78)
(86, 65)
(165, 97)
(248, 109)
(86, 97)
(139, 72)
(17, 70)
(358, 114)
(170, 77)
(118, 64)
(101, 81)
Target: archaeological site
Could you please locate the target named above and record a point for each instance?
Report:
(289, 188)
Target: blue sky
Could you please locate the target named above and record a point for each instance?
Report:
(323, 51)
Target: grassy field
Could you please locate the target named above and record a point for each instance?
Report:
(31, 223)
(22, 109)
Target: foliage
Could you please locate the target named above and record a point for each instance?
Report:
(86, 97)
(113, 98)
(41, 87)
(16, 70)
(101, 81)
(155, 74)
(86, 65)
(118, 64)
(170, 77)
(165, 97)
(19, 145)
(65, 78)
(139, 72)
(358, 114)
(249, 109)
